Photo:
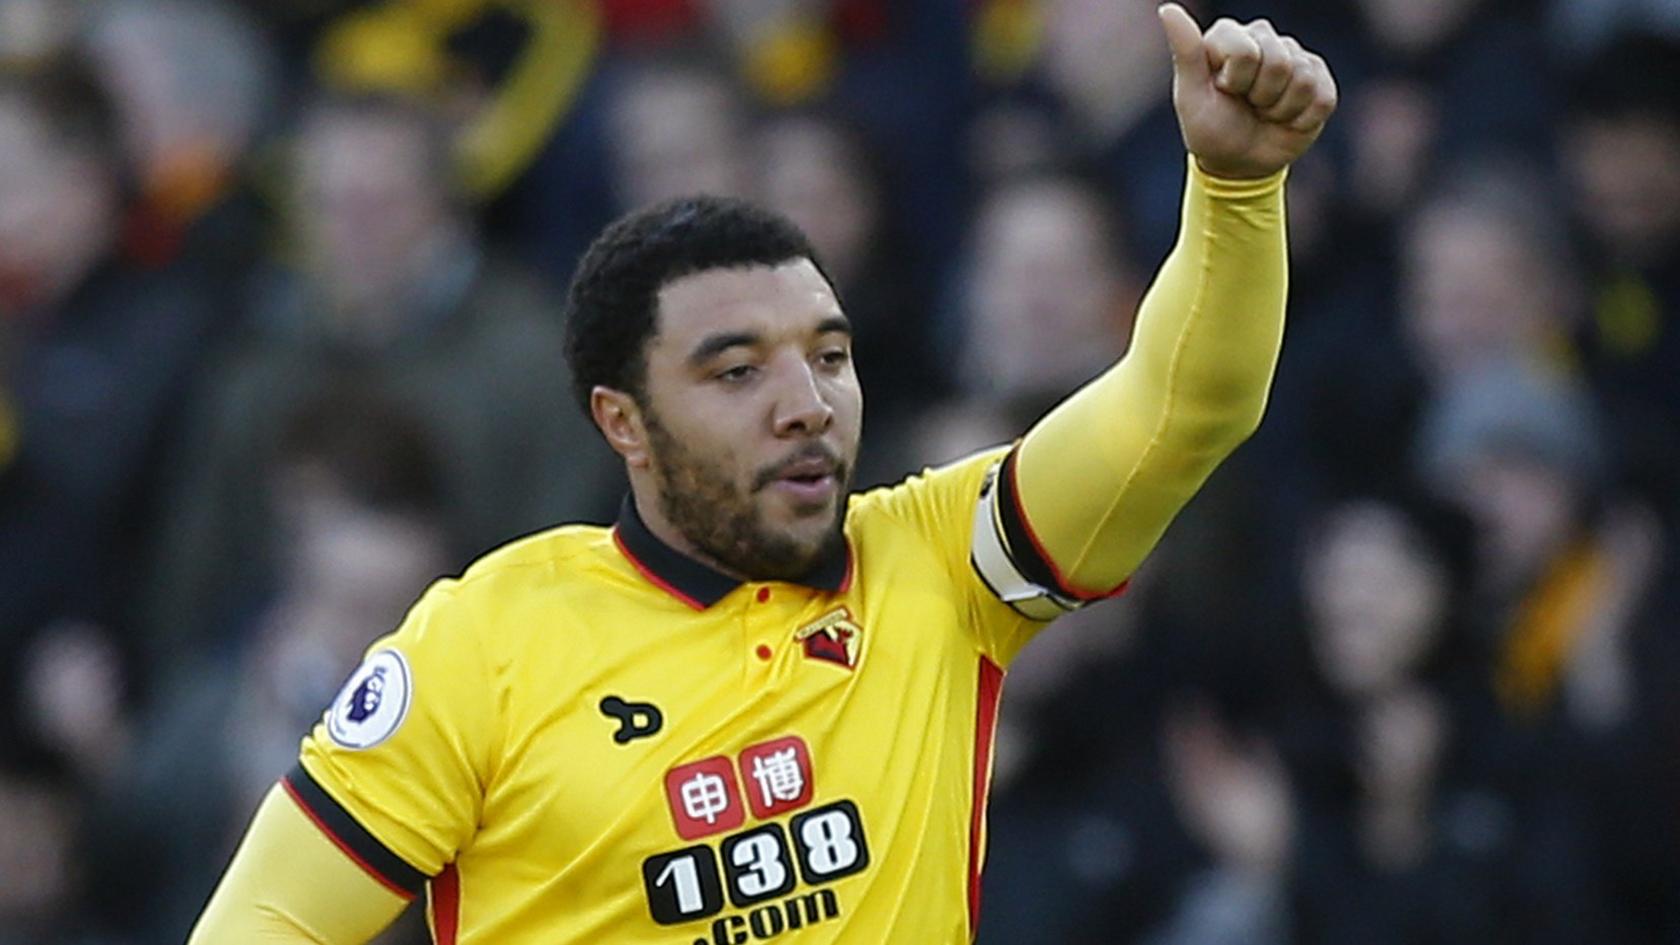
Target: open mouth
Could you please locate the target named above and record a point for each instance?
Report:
(812, 480)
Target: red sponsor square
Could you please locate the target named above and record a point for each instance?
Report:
(703, 797)
(776, 776)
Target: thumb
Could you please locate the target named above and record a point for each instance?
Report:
(1184, 37)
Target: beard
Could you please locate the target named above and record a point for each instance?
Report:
(705, 505)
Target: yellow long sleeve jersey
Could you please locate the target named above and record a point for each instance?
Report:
(590, 738)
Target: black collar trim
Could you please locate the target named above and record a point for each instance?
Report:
(696, 584)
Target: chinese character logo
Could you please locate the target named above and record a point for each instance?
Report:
(834, 638)
(777, 775)
(703, 797)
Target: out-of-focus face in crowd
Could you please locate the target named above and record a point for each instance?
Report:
(348, 569)
(676, 132)
(191, 80)
(814, 176)
(1376, 597)
(33, 31)
(57, 206)
(1480, 285)
(1105, 58)
(372, 199)
(1626, 170)
(1518, 447)
(1049, 299)
(1415, 27)
(1527, 511)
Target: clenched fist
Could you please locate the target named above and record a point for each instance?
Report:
(1249, 101)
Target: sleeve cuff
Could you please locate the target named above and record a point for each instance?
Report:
(346, 833)
(1235, 188)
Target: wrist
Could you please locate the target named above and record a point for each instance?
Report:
(1222, 185)
(1237, 174)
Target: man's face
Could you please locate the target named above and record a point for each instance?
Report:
(753, 414)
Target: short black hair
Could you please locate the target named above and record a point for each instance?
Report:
(612, 305)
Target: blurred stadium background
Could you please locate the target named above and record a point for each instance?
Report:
(279, 343)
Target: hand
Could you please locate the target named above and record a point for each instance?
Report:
(1233, 797)
(1249, 101)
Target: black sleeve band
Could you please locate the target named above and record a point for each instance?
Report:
(350, 836)
(1023, 550)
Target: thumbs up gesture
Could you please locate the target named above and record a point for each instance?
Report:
(1249, 101)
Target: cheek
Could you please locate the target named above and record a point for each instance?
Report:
(846, 398)
(713, 449)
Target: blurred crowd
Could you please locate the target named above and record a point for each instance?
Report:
(280, 290)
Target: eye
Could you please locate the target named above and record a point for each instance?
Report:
(834, 357)
(736, 374)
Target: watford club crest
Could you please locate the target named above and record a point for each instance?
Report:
(834, 637)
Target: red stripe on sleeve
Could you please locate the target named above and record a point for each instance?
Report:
(1062, 583)
(345, 847)
(446, 906)
(985, 728)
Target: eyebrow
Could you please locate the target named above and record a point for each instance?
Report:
(714, 345)
(837, 323)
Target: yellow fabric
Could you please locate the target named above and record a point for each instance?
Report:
(1628, 316)
(402, 47)
(1006, 38)
(1548, 624)
(289, 883)
(504, 766)
(1142, 438)
(535, 96)
(792, 62)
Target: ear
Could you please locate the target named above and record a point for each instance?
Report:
(620, 421)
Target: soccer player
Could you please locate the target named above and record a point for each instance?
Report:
(758, 707)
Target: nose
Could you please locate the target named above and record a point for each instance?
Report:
(801, 409)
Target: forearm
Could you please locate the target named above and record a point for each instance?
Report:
(289, 884)
(1100, 478)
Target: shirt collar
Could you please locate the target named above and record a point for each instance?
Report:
(698, 585)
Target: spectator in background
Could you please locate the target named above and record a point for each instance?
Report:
(1047, 296)
(33, 33)
(361, 513)
(1489, 276)
(94, 354)
(1093, 60)
(193, 82)
(1401, 841)
(1485, 275)
(1621, 141)
(1454, 54)
(1563, 610)
(389, 281)
(676, 129)
(1522, 450)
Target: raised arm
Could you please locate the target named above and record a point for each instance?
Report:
(1095, 483)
